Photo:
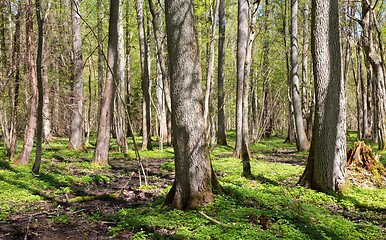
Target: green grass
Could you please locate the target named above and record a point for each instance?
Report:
(292, 212)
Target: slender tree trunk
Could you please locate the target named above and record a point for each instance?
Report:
(305, 65)
(221, 138)
(146, 127)
(101, 154)
(39, 132)
(361, 75)
(100, 58)
(242, 38)
(16, 63)
(195, 180)
(121, 84)
(326, 165)
(25, 153)
(302, 141)
(375, 60)
(76, 130)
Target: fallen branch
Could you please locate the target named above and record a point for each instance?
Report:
(213, 220)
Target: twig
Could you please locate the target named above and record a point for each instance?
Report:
(213, 220)
(127, 183)
(26, 232)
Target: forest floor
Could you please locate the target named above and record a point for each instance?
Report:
(71, 199)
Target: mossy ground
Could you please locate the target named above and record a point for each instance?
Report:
(268, 206)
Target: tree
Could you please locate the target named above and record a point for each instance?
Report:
(242, 41)
(76, 130)
(146, 123)
(194, 177)
(221, 138)
(301, 140)
(25, 153)
(101, 154)
(326, 164)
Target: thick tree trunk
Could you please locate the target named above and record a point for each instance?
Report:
(76, 129)
(194, 178)
(326, 165)
(25, 153)
(146, 127)
(302, 141)
(221, 136)
(305, 65)
(101, 154)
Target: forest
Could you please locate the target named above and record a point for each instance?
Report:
(192, 119)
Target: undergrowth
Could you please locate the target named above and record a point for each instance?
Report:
(267, 206)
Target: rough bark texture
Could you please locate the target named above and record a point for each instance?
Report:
(146, 128)
(76, 130)
(302, 141)
(221, 136)
(193, 177)
(375, 60)
(242, 38)
(25, 153)
(101, 154)
(326, 165)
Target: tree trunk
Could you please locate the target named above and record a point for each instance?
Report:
(221, 137)
(146, 127)
(101, 154)
(76, 130)
(25, 153)
(120, 115)
(305, 66)
(242, 39)
(302, 141)
(16, 63)
(361, 75)
(194, 178)
(375, 60)
(39, 131)
(100, 58)
(326, 165)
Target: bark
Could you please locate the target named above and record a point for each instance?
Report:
(221, 137)
(361, 75)
(305, 64)
(161, 108)
(101, 153)
(120, 126)
(194, 178)
(16, 63)
(242, 39)
(146, 127)
(326, 165)
(100, 58)
(25, 153)
(302, 141)
(39, 131)
(210, 68)
(375, 60)
(76, 130)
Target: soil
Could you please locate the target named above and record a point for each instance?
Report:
(58, 218)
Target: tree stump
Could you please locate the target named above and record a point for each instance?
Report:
(362, 157)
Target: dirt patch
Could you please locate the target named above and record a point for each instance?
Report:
(58, 218)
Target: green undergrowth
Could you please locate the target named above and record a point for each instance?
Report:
(269, 205)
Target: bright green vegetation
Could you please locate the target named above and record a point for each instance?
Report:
(269, 206)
